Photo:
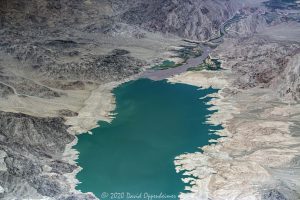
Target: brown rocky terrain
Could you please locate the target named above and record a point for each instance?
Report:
(189, 19)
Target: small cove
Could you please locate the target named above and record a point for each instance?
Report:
(155, 122)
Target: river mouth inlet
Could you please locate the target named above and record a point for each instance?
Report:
(155, 122)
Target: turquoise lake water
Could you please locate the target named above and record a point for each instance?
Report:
(155, 122)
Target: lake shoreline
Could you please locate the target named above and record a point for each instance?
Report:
(257, 149)
(87, 119)
(140, 83)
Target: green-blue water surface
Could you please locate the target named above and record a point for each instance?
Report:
(155, 122)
